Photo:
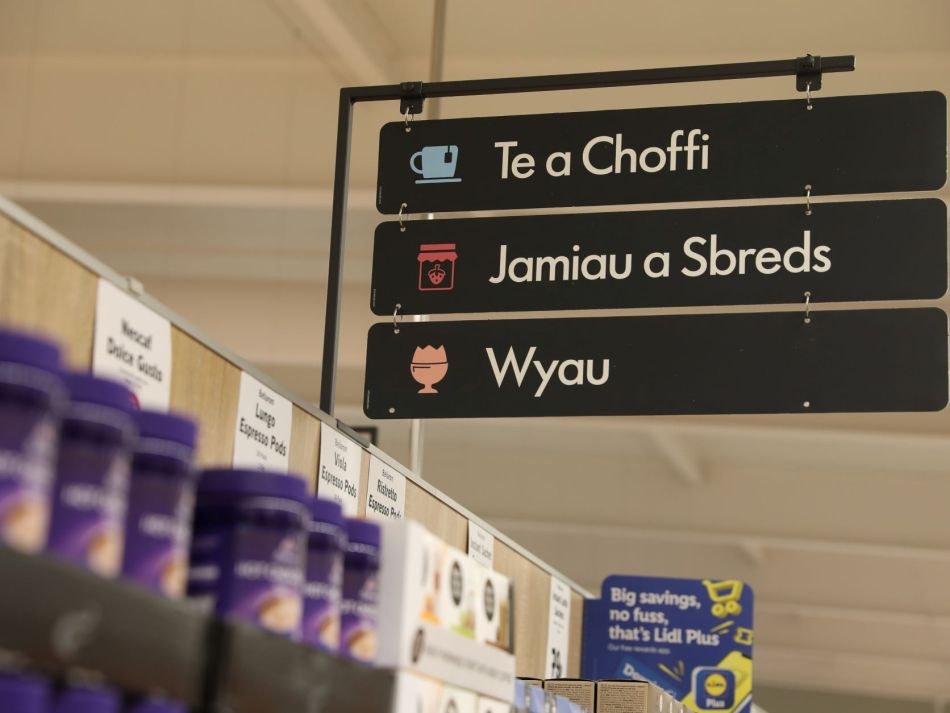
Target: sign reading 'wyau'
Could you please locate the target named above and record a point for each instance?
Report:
(856, 144)
(775, 362)
(876, 250)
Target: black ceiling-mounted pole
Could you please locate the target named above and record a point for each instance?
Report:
(412, 95)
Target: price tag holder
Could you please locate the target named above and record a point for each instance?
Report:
(386, 492)
(133, 345)
(341, 461)
(559, 623)
(481, 545)
(262, 431)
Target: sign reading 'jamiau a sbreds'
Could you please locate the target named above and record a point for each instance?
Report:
(856, 144)
(841, 252)
(770, 362)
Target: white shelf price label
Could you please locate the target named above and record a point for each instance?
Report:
(481, 545)
(262, 431)
(133, 345)
(341, 461)
(559, 624)
(386, 492)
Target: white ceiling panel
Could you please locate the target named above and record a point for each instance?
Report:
(145, 27)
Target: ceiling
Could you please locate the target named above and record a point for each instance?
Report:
(190, 143)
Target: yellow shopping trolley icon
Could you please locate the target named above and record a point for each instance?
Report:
(725, 596)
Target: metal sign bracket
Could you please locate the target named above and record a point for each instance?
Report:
(412, 100)
(410, 95)
(808, 76)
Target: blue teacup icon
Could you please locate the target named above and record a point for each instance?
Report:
(437, 164)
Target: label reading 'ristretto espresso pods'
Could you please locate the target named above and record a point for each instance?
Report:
(386, 492)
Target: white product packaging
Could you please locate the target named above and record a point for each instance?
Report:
(455, 700)
(490, 705)
(416, 694)
(493, 610)
(459, 577)
(424, 620)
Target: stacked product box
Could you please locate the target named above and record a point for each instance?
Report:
(580, 692)
(421, 694)
(443, 616)
(615, 696)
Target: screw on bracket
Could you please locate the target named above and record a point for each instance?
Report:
(808, 76)
(412, 100)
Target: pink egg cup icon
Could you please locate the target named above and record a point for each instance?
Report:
(428, 367)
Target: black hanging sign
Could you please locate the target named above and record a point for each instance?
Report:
(770, 362)
(856, 144)
(878, 250)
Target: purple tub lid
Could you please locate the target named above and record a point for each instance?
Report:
(167, 427)
(28, 349)
(79, 699)
(156, 705)
(252, 483)
(89, 389)
(23, 693)
(327, 512)
(363, 532)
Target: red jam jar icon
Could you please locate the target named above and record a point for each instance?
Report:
(437, 267)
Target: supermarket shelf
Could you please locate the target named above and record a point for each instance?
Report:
(44, 232)
(262, 673)
(64, 619)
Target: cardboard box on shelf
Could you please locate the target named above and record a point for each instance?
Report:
(577, 690)
(630, 697)
(565, 705)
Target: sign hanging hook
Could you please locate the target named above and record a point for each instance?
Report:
(808, 307)
(402, 216)
(807, 199)
(808, 77)
(396, 321)
(411, 102)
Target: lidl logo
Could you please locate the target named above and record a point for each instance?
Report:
(714, 689)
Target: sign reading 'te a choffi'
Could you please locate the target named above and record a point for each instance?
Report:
(769, 362)
(849, 251)
(855, 144)
(690, 637)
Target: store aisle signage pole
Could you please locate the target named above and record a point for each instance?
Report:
(808, 71)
